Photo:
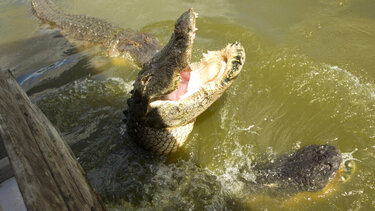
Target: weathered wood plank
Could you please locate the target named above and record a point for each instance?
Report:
(47, 172)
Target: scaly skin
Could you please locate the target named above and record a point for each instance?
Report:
(159, 77)
(140, 46)
(308, 169)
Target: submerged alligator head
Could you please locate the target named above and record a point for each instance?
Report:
(308, 169)
(170, 93)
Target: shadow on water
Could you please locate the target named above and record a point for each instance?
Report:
(47, 60)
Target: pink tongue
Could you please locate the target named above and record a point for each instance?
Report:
(182, 87)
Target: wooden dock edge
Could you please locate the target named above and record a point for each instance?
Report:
(47, 172)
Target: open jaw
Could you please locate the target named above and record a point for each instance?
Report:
(215, 66)
(200, 85)
(171, 92)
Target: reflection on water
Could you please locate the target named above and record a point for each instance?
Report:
(308, 79)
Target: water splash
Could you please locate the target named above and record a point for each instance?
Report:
(248, 129)
(348, 156)
(348, 165)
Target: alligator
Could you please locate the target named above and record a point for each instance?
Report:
(170, 92)
(136, 46)
(307, 169)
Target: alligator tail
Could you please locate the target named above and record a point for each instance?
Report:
(78, 27)
(45, 11)
(140, 46)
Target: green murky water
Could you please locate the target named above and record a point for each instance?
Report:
(309, 78)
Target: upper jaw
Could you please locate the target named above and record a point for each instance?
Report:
(161, 75)
(185, 26)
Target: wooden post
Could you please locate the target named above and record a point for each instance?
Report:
(47, 172)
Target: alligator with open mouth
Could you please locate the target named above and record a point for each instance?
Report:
(170, 92)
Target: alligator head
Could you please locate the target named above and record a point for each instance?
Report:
(170, 92)
(308, 169)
